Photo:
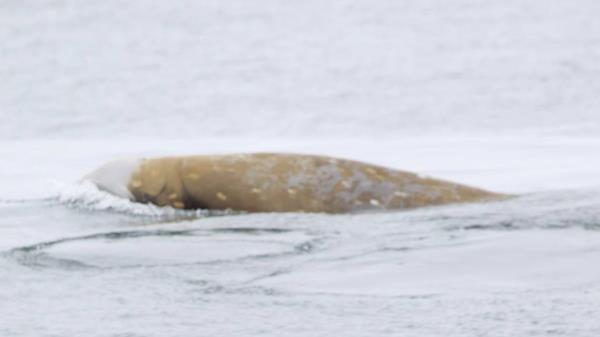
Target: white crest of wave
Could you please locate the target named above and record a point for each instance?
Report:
(85, 195)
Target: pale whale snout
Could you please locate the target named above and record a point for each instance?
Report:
(114, 176)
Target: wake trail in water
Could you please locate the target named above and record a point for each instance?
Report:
(40, 255)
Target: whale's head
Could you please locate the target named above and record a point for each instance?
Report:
(113, 177)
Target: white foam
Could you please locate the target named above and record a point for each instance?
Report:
(86, 195)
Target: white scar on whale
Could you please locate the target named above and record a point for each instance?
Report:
(276, 182)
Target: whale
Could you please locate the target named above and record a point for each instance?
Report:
(277, 182)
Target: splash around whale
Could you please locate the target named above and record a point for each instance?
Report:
(275, 182)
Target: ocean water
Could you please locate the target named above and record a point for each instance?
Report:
(78, 261)
(496, 94)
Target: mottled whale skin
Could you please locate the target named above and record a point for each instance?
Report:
(275, 182)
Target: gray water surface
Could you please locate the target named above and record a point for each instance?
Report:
(524, 266)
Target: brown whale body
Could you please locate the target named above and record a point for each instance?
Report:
(267, 182)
